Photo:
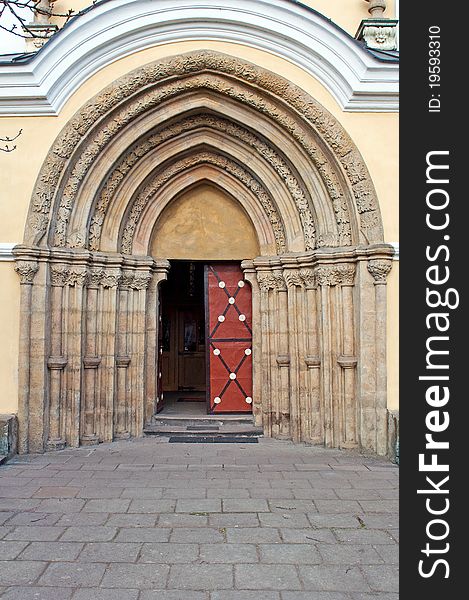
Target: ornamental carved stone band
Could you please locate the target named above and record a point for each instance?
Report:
(216, 160)
(61, 276)
(102, 118)
(190, 124)
(343, 274)
(27, 271)
(379, 270)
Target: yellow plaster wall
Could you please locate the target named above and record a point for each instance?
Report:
(9, 338)
(205, 224)
(375, 134)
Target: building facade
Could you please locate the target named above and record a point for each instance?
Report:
(252, 141)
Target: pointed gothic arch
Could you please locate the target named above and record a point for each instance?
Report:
(90, 288)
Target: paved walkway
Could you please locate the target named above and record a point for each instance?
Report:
(149, 520)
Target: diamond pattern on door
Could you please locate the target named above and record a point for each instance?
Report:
(229, 339)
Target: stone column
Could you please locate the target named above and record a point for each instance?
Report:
(107, 300)
(348, 360)
(27, 271)
(57, 362)
(312, 359)
(379, 270)
(325, 278)
(366, 368)
(296, 351)
(283, 358)
(266, 283)
(74, 327)
(121, 430)
(91, 361)
(140, 286)
(160, 273)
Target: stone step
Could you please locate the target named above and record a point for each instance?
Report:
(166, 432)
(174, 426)
(208, 420)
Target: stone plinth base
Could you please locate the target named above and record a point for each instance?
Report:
(8, 436)
(393, 435)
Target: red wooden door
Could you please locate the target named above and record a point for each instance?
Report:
(229, 339)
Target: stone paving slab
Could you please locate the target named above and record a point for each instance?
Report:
(148, 520)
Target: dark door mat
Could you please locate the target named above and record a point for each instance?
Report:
(202, 428)
(212, 440)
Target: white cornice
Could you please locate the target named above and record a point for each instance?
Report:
(395, 245)
(6, 252)
(114, 29)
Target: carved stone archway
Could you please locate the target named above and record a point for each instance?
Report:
(90, 289)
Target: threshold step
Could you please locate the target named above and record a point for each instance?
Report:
(212, 440)
(222, 432)
(208, 420)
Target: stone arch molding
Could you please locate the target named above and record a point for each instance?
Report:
(313, 131)
(90, 291)
(111, 30)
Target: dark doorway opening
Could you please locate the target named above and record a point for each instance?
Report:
(205, 340)
(182, 342)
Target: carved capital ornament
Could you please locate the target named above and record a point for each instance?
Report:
(27, 271)
(379, 270)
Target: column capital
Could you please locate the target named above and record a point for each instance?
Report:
(111, 278)
(141, 281)
(27, 271)
(266, 280)
(379, 270)
(95, 278)
(309, 278)
(76, 277)
(336, 274)
(293, 278)
(58, 275)
(347, 274)
(279, 281)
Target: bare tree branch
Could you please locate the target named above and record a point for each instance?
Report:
(6, 147)
(20, 26)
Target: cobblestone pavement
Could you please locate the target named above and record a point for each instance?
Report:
(149, 520)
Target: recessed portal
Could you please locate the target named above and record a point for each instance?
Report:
(205, 340)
